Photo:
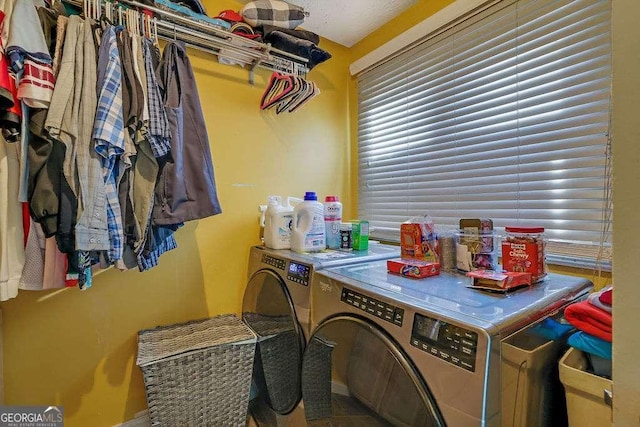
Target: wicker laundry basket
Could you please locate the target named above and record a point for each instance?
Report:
(198, 373)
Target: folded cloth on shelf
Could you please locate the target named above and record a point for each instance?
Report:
(244, 30)
(590, 344)
(590, 319)
(267, 29)
(272, 12)
(186, 11)
(594, 299)
(606, 297)
(299, 47)
(194, 5)
(230, 16)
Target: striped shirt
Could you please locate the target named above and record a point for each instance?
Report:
(108, 134)
(159, 130)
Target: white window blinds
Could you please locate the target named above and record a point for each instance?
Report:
(504, 116)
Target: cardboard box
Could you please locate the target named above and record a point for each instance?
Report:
(416, 242)
(413, 268)
(359, 235)
(491, 280)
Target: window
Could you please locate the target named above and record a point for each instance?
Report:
(504, 115)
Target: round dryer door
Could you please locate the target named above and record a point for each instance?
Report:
(354, 373)
(268, 309)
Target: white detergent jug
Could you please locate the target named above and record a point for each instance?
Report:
(277, 222)
(308, 229)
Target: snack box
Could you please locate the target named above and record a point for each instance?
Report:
(359, 235)
(494, 281)
(413, 268)
(416, 242)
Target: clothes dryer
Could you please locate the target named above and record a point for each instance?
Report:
(276, 305)
(390, 350)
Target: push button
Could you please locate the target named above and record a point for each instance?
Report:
(468, 343)
(471, 335)
(398, 316)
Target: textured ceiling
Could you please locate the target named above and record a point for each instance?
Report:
(348, 21)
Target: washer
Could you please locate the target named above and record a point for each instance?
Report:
(390, 350)
(276, 306)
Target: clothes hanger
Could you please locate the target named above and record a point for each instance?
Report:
(143, 24)
(298, 88)
(97, 10)
(108, 11)
(311, 93)
(279, 87)
(120, 15)
(155, 31)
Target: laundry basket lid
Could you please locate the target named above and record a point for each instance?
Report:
(166, 341)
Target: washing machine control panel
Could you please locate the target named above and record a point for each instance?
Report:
(448, 342)
(299, 273)
(278, 263)
(380, 309)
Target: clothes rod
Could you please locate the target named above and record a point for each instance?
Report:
(191, 23)
(208, 38)
(239, 54)
(170, 31)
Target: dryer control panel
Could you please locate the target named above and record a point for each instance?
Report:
(448, 342)
(278, 263)
(380, 309)
(299, 273)
(296, 271)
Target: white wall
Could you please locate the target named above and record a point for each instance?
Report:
(626, 219)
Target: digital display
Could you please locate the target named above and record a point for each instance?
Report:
(426, 327)
(298, 270)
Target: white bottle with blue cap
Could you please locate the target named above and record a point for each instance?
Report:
(308, 229)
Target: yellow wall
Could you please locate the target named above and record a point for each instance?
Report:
(77, 349)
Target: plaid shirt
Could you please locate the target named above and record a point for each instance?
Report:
(108, 134)
(159, 130)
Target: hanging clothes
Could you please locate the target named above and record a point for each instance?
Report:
(11, 229)
(146, 166)
(91, 229)
(62, 125)
(61, 29)
(186, 188)
(109, 134)
(159, 128)
(45, 265)
(114, 156)
(133, 105)
(29, 56)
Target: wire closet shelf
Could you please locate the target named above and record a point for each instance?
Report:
(209, 38)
